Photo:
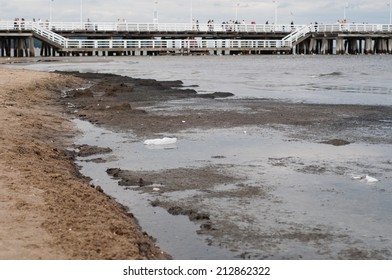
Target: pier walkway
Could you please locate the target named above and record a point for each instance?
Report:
(19, 38)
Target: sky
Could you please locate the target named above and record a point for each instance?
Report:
(180, 11)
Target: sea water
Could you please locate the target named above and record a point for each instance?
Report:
(309, 79)
(311, 185)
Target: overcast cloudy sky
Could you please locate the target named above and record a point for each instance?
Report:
(300, 11)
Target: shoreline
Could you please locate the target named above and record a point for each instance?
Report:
(145, 107)
(121, 104)
(48, 210)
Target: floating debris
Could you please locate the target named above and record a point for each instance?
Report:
(370, 179)
(365, 178)
(163, 141)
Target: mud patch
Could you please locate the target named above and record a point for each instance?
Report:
(87, 150)
(336, 142)
(364, 254)
(203, 179)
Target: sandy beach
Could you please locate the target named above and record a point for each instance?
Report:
(48, 211)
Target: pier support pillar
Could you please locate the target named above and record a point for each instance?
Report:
(20, 47)
(9, 48)
(312, 46)
(368, 46)
(381, 46)
(301, 48)
(384, 46)
(3, 47)
(340, 46)
(31, 47)
(325, 46)
(306, 46)
(390, 45)
(352, 46)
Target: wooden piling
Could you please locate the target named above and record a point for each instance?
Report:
(353, 46)
(340, 46)
(31, 47)
(369, 46)
(3, 47)
(325, 46)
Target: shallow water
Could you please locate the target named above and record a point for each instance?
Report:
(310, 188)
(175, 234)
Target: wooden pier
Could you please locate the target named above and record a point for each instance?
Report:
(17, 45)
(345, 43)
(19, 39)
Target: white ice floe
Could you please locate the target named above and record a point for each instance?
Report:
(163, 141)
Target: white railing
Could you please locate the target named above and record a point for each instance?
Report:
(337, 28)
(298, 34)
(241, 28)
(174, 44)
(147, 27)
(352, 28)
(46, 33)
(172, 27)
(169, 27)
(179, 27)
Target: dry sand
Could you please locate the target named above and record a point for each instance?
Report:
(47, 211)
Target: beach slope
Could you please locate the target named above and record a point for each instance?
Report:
(47, 211)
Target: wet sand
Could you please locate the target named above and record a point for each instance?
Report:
(48, 210)
(153, 109)
(147, 107)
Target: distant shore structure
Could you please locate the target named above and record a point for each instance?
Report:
(21, 38)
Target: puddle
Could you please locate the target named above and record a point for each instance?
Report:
(290, 199)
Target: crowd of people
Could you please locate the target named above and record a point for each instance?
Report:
(230, 25)
(233, 25)
(20, 23)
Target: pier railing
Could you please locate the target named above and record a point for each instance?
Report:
(175, 44)
(51, 36)
(298, 34)
(147, 27)
(352, 28)
(184, 27)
